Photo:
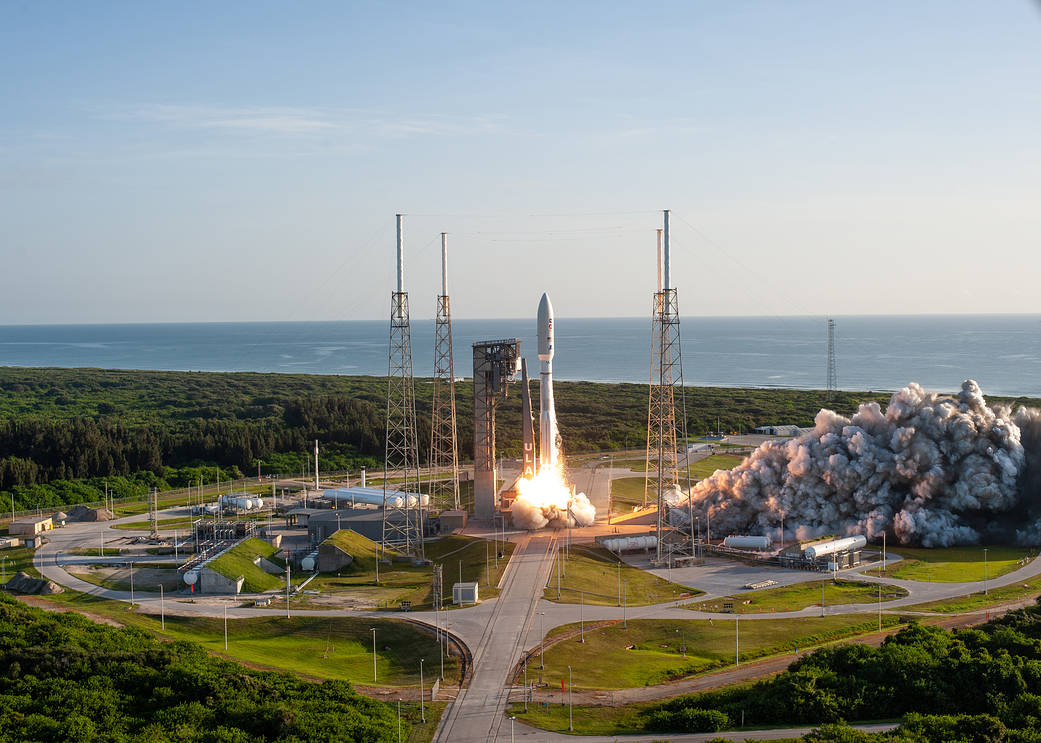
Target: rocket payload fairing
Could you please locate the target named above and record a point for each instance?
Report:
(548, 437)
(528, 424)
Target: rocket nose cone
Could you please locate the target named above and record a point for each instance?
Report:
(545, 328)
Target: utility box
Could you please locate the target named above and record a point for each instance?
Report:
(452, 520)
(464, 593)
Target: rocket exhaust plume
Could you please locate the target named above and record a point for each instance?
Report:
(931, 469)
(544, 497)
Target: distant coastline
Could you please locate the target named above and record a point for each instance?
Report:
(880, 353)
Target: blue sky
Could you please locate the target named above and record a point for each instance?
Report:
(234, 161)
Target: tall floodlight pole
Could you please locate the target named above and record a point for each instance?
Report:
(985, 592)
(664, 427)
(402, 517)
(316, 486)
(444, 452)
(373, 654)
(832, 379)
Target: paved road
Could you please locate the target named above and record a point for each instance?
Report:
(478, 711)
(531, 735)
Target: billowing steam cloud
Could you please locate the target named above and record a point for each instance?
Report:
(544, 501)
(931, 470)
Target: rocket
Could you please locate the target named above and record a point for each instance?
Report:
(548, 437)
(528, 424)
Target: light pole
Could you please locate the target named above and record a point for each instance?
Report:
(512, 720)
(582, 615)
(526, 685)
(625, 598)
(822, 598)
(879, 607)
(131, 585)
(288, 580)
(619, 581)
(399, 721)
(737, 639)
(373, 654)
(422, 708)
(162, 607)
(570, 719)
(225, 628)
(984, 571)
(542, 641)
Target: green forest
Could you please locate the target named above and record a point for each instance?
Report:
(64, 433)
(981, 684)
(65, 678)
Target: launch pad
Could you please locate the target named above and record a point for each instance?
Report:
(496, 364)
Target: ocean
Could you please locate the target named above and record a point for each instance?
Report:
(881, 353)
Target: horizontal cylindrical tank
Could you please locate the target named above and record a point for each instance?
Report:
(625, 544)
(310, 562)
(835, 545)
(241, 502)
(374, 497)
(738, 542)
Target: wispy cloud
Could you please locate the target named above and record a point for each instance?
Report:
(301, 121)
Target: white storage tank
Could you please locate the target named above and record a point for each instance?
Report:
(310, 562)
(627, 544)
(738, 542)
(835, 545)
(191, 577)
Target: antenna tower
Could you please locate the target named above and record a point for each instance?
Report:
(832, 380)
(444, 452)
(402, 518)
(664, 430)
(153, 513)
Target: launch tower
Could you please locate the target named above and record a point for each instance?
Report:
(495, 366)
(402, 523)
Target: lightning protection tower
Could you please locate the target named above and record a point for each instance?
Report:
(444, 452)
(402, 517)
(664, 428)
(832, 380)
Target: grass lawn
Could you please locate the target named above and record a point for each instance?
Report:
(239, 561)
(979, 600)
(402, 581)
(146, 579)
(800, 595)
(954, 564)
(95, 552)
(651, 651)
(625, 719)
(701, 468)
(315, 647)
(180, 522)
(18, 558)
(591, 576)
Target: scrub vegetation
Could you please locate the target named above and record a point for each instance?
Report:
(63, 430)
(67, 678)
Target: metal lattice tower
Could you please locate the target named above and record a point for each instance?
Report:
(664, 429)
(437, 588)
(832, 379)
(402, 518)
(444, 451)
(153, 513)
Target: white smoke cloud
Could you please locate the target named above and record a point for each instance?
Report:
(933, 470)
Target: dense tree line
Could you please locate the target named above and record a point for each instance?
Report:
(64, 678)
(77, 424)
(980, 684)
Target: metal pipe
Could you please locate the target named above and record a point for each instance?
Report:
(444, 264)
(401, 268)
(667, 262)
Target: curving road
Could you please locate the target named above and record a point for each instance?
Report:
(499, 630)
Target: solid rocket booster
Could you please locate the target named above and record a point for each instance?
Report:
(548, 416)
(528, 424)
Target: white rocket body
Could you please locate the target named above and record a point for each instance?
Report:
(548, 449)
